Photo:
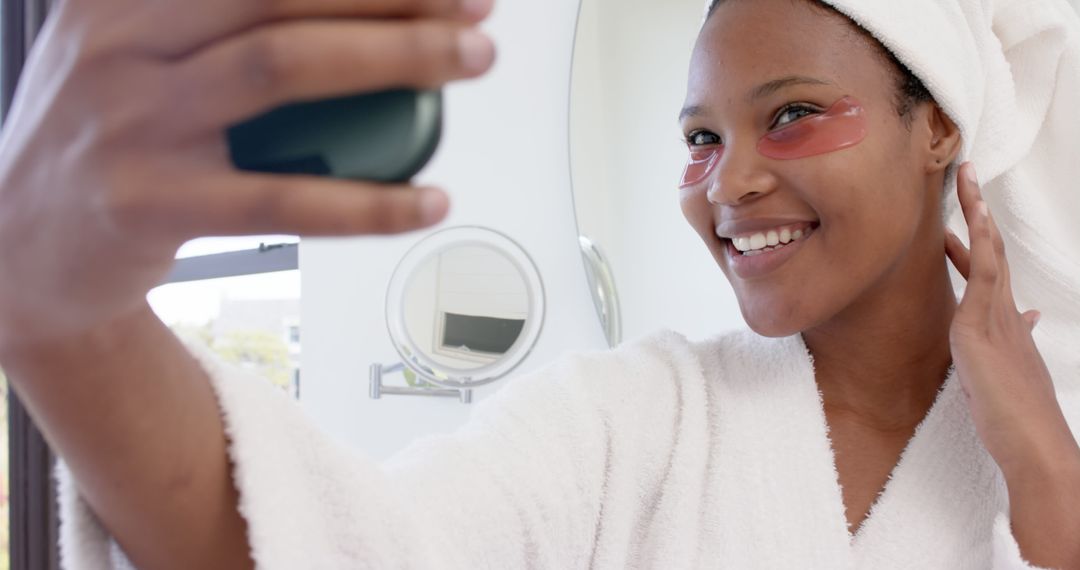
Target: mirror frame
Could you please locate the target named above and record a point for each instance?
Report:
(605, 297)
(423, 251)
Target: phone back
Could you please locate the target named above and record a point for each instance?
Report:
(383, 137)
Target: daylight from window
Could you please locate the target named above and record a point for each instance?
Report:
(252, 321)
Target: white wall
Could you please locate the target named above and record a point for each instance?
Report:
(504, 160)
(627, 156)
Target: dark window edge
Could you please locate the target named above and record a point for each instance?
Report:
(265, 259)
(33, 520)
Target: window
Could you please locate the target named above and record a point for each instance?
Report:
(244, 305)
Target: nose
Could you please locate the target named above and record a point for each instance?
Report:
(741, 176)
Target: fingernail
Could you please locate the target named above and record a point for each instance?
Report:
(476, 9)
(433, 205)
(1038, 317)
(972, 176)
(477, 50)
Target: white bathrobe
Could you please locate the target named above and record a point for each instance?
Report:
(663, 453)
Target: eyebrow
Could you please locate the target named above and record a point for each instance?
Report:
(763, 90)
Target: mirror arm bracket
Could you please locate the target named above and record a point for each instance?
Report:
(377, 390)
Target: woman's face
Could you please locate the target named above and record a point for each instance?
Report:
(867, 205)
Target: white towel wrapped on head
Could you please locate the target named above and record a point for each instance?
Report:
(1008, 73)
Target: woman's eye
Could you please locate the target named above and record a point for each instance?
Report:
(702, 138)
(792, 114)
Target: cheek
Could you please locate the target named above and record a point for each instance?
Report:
(695, 208)
(862, 238)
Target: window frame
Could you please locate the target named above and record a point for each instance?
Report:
(33, 524)
(267, 258)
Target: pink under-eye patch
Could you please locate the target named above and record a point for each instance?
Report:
(701, 163)
(841, 126)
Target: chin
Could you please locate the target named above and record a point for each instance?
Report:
(773, 330)
(774, 320)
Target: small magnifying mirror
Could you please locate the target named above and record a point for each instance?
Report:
(464, 307)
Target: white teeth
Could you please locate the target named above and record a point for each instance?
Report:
(763, 242)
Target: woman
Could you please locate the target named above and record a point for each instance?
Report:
(764, 448)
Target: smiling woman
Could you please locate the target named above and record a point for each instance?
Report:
(875, 202)
(863, 173)
(821, 171)
(879, 412)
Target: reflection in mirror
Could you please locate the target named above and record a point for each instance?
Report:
(631, 59)
(464, 307)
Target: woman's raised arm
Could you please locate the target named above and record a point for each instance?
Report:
(113, 155)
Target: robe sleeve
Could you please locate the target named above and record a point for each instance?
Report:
(519, 485)
(1006, 550)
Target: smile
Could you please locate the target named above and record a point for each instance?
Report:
(770, 240)
(757, 254)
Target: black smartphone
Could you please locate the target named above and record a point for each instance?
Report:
(386, 136)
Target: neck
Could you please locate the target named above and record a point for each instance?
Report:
(884, 358)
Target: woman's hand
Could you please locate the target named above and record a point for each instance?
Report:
(114, 152)
(1010, 392)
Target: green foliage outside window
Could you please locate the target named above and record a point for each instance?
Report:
(262, 352)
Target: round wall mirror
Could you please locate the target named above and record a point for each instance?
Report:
(464, 306)
(628, 85)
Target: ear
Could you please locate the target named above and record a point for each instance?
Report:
(943, 143)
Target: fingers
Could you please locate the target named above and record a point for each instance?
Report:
(958, 253)
(1032, 318)
(994, 269)
(309, 206)
(269, 66)
(176, 29)
(241, 203)
(982, 270)
(1004, 277)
